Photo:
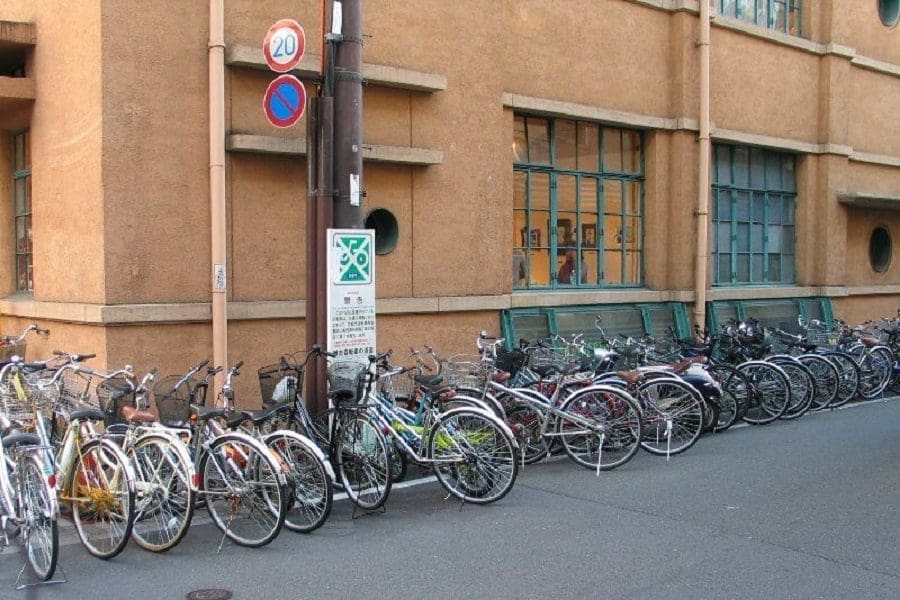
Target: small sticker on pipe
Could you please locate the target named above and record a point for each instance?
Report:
(354, 189)
(219, 278)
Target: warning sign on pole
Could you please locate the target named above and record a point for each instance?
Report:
(351, 294)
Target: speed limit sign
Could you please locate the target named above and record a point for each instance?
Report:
(284, 45)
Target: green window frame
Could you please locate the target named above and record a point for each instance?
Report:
(781, 15)
(635, 320)
(781, 312)
(24, 249)
(578, 205)
(754, 207)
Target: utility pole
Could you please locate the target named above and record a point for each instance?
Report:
(334, 172)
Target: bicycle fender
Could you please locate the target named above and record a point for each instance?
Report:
(257, 445)
(487, 414)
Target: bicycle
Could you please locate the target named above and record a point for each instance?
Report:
(244, 487)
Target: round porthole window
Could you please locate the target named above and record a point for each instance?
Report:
(889, 12)
(387, 231)
(880, 249)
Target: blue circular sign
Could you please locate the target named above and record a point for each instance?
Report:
(285, 101)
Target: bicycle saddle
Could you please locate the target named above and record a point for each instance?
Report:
(631, 377)
(203, 413)
(87, 414)
(137, 416)
(25, 439)
(261, 416)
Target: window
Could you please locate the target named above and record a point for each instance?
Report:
(880, 249)
(781, 15)
(889, 12)
(578, 197)
(754, 198)
(22, 202)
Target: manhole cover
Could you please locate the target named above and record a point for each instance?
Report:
(209, 595)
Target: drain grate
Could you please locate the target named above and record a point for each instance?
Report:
(211, 594)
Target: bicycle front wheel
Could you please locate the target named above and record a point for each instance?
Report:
(102, 494)
(826, 377)
(363, 462)
(601, 428)
(673, 415)
(165, 492)
(309, 481)
(770, 392)
(39, 511)
(244, 490)
(848, 372)
(475, 457)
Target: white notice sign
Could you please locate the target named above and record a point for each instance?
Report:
(351, 294)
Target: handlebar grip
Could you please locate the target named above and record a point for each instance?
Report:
(316, 348)
(83, 357)
(239, 365)
(201, 364)
(213, 370)
(59, 353)
(41, 331)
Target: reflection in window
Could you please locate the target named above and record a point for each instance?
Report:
(577, 204)
(754, 202)
(780, 15)
(24, 250)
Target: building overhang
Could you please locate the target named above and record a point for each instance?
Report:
(870, 201)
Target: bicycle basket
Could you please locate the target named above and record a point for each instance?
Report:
(113, 395)
(7, 351)
(173, 401)
(397, 387)
(74, 390)
(347, 376)
(279, 383)
(465, 370)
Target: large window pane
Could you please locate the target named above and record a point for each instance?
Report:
(566, 193)
(565, 144)
(538, 141)
(539, 191)
(612, 150)
(588, 147)
(520, 141)
(631, 149)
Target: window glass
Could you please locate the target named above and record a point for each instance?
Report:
(538, 132)
(588, 147)
(520, 140)
(565, 144)
(612, 150)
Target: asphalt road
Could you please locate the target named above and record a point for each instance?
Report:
(800, 509)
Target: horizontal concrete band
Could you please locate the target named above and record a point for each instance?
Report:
(185, 312)
(17, 88)
(14, 33)
(269, 144)
(251, 57)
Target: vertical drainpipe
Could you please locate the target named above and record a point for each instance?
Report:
(217, 182)
(703, 185)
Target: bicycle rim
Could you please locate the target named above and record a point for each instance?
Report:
(364, 463)
(770, 392)
(165, 498)
(475, 459)
(673, 416)
(40, 516)
(102, 497)
(243, 492)
(614, 429)
(309, 485)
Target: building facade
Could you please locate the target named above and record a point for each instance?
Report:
(527, 164)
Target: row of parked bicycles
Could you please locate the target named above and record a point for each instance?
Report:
(132, 458)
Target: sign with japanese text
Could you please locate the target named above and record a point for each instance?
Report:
(351, 294)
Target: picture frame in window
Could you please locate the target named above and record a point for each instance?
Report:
(589, 235)
(565, 236)
(534, 239)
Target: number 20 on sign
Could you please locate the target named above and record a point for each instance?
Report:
(284, 45)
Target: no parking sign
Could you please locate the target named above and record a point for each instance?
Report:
(285, 99)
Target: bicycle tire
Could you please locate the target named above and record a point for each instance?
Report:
(735, 389)
(257, 486)
(803, 385)
(672, 410)
(362, 462)
(874, 373)
(770, 392)
(475, 456)
(619, 427)
(525, 422)
(309, 481)
(37, 500)
(827, 379)
(165, 501)
(103, 473)
(849, 377)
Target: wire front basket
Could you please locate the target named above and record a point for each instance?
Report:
(40, 393)
(347, 376)
(173, 400)
(467, 370)
(397, 387)
(280, 382)
(75, 391)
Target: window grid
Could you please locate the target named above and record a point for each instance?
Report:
(780, 15)
(579, 190)
(21, 168)
(753, 217)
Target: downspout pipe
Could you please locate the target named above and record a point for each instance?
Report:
(217, 184)
(703, 184)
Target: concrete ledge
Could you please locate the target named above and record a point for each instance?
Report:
(558, 108)
(14, 33)
(239, 55)
(268, 144)
(17, 88)
(874, 201)
(878, 66)
(875, 159)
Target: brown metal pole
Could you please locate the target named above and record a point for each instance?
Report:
(348, 211)
(312, 253)
(324, 220)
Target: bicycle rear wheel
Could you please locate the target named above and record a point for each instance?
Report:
(848, 372)
(475, 458)
(673, 415)
(102, 494)
(826, 377)
(39, 511)
(363, 461)
(803, 385)
(602, 427)
(165, 492)
(244, 490)
(770, 392)
(735, 393)
(309, 481)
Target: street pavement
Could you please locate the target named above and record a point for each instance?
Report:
(802, 509)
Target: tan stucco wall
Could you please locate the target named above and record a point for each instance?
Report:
(857, 25)
(865, 308)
